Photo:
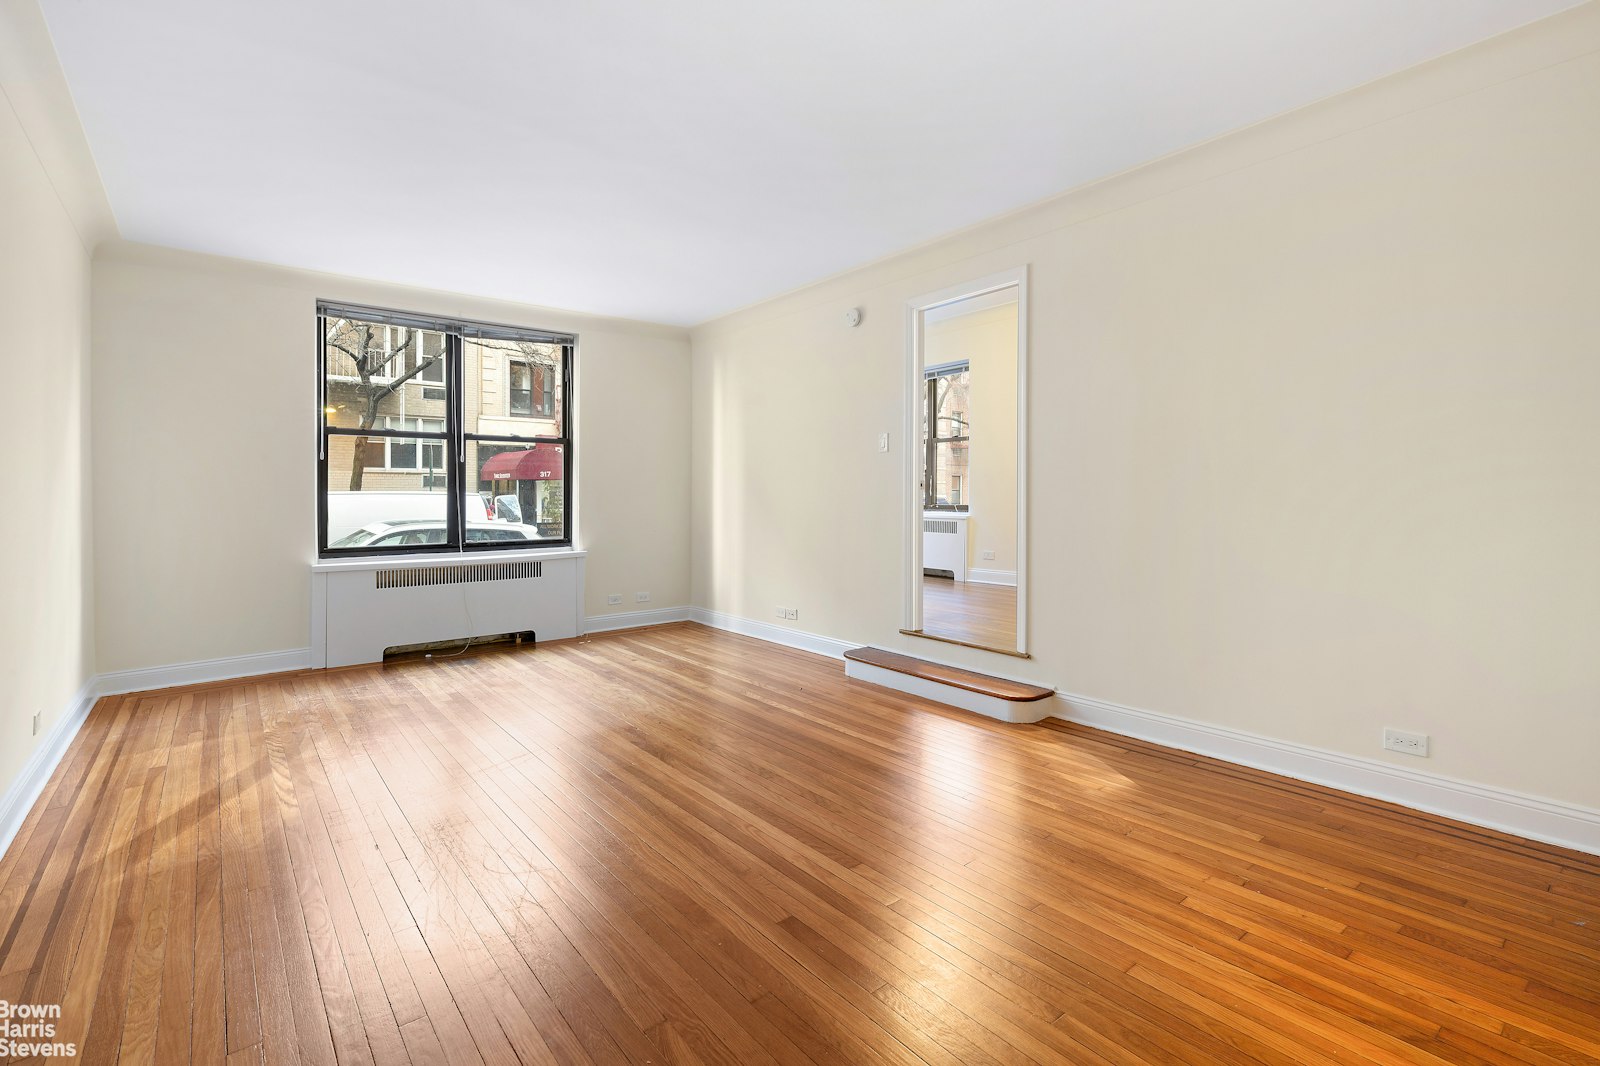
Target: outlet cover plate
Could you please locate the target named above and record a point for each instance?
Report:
(1406, 743)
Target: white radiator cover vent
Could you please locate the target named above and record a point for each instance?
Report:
(361, 607)
(454, 574)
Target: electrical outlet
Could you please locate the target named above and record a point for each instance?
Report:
(38, 717)
(793, 614)
(614, 599)
(989, 556)
(1406, 743)
(641, 597)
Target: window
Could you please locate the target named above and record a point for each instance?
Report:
(946, 435)
(531, 389)
(402, 453)
(427, 359)
(414, 452)
(521, 389)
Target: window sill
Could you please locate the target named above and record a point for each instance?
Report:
(388, 562)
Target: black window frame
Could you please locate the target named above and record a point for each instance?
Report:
(930, 437)
(455, 438)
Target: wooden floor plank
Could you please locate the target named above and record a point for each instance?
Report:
(38, 926)
(676, 845)
(175, 1021)
(208, 1029)
(313, 1034)
(143, 999)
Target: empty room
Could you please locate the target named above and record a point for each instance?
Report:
(867, 534)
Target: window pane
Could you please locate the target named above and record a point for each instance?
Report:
(375, 372)
(514, 491)
(514, 388)
(428, 357)
(372, 507)
(949, 474)
(953, 405)
(520, 378)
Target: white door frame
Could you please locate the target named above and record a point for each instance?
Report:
(916, 308)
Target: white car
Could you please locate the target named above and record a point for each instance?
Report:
(352, 511)
(421, 532)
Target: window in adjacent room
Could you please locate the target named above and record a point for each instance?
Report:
(947, 426)
(441, 435)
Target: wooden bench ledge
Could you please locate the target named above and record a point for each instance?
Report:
(971, 680)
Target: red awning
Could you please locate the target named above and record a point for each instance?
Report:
(542, 462)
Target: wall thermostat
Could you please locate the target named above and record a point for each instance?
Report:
(852, 317)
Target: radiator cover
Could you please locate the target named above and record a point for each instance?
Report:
(361, 608)
(944, 543)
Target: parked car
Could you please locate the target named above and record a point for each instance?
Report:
(419, 533)
(507, 509)
(350, 511)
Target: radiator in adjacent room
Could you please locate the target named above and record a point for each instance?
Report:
(944, 544)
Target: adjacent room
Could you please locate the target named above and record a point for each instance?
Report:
(785, 534)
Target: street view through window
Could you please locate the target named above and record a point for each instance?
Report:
(404, 396)
(946, 432)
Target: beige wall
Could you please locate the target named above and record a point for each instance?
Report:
(49, 219)
(1315, 426)
(987, 339)
(205, 459)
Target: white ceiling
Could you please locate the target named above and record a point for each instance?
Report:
(673, 161)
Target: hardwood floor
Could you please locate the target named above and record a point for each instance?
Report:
(682, 846)
(970, 612)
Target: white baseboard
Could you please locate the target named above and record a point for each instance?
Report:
(1534, 817)
(790, 638)
(604, 623)
(207, 670)
(24, 791)
(1013, 711)
(992, 577)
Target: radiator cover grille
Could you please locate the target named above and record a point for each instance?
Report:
(455, 574)
(938, 525)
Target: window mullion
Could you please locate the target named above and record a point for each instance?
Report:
(455, 429)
